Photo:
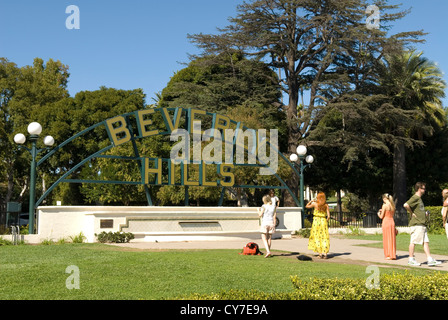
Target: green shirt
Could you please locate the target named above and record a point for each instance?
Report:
(418, 208)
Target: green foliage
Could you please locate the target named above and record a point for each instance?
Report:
(5, 242)
(429, 164)
(403, 286)
(216, 82)
(90, 108)
(354, 203)
(77, 239)
(435, 220)
(30, 93)
(47, 242)
(391, 287)
(113, 170)
(355, 231)
(38, 93)
(24, 229)
(114, 237)
(304, 232)
(244, 90)
(239, 294)
(230, 84)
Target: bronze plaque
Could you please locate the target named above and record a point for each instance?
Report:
(106, 223)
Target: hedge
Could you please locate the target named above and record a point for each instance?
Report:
(435, 220)
(114, 237)
(403, 286)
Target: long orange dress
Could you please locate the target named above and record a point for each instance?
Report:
(389, 238)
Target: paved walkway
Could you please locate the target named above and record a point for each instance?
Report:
(341, 250)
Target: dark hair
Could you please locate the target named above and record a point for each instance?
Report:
(419, 185)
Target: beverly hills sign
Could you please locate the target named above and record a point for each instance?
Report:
(192, 137)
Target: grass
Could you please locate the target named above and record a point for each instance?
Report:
(438, 244)
(109, 272)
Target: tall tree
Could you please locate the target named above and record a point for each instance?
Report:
(9, 74)
(244, 89)
(27, 93)
(413, 84)
(303, 38)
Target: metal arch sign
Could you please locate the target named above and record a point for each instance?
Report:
(127, 128)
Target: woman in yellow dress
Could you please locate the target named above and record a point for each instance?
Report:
(319, 240)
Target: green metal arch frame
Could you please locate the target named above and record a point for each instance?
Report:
(137, 157)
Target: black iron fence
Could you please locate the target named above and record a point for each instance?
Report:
(362, 220)
(2, 217)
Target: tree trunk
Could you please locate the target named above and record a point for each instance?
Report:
(339, 205)
(399, 176)
(10, 188)
(293, 142)
(241, 198)
(293, 184)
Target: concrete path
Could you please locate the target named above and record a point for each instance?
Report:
(341, 250)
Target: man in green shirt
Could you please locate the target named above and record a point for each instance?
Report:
(419, 234)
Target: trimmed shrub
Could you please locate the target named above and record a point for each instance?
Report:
(114, 237)
(435, 220)
(391, 287)
(403, 286)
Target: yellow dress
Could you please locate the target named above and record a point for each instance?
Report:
(319, 240)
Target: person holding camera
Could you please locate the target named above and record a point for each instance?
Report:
(386, 213)
(319, 240)
(268, 216)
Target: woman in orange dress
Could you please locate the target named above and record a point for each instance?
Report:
(386, 213)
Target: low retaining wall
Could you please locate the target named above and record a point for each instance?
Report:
(367, 230)
(159, 223)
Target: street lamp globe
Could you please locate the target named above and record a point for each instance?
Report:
(49, 141)
(293, 157)
(301, 150)
(19, 138)
(34, 128)
(309, 159)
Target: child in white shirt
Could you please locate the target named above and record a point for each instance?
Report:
(268, 216)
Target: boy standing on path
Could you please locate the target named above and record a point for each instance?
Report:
(419, 234)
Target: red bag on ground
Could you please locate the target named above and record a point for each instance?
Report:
(251, 249)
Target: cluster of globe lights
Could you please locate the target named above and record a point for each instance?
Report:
(34, 129)
(301, 152)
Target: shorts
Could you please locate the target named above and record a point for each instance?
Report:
(419, 235)
(267, 228)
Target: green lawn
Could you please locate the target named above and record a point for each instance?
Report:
(108, 272)
(438, 244)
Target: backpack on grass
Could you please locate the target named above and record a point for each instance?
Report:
(251, 249)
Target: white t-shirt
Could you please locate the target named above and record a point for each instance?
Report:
(275, 200)
(268, 214)
(445, 204)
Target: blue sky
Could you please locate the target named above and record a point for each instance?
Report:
(140, 44)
